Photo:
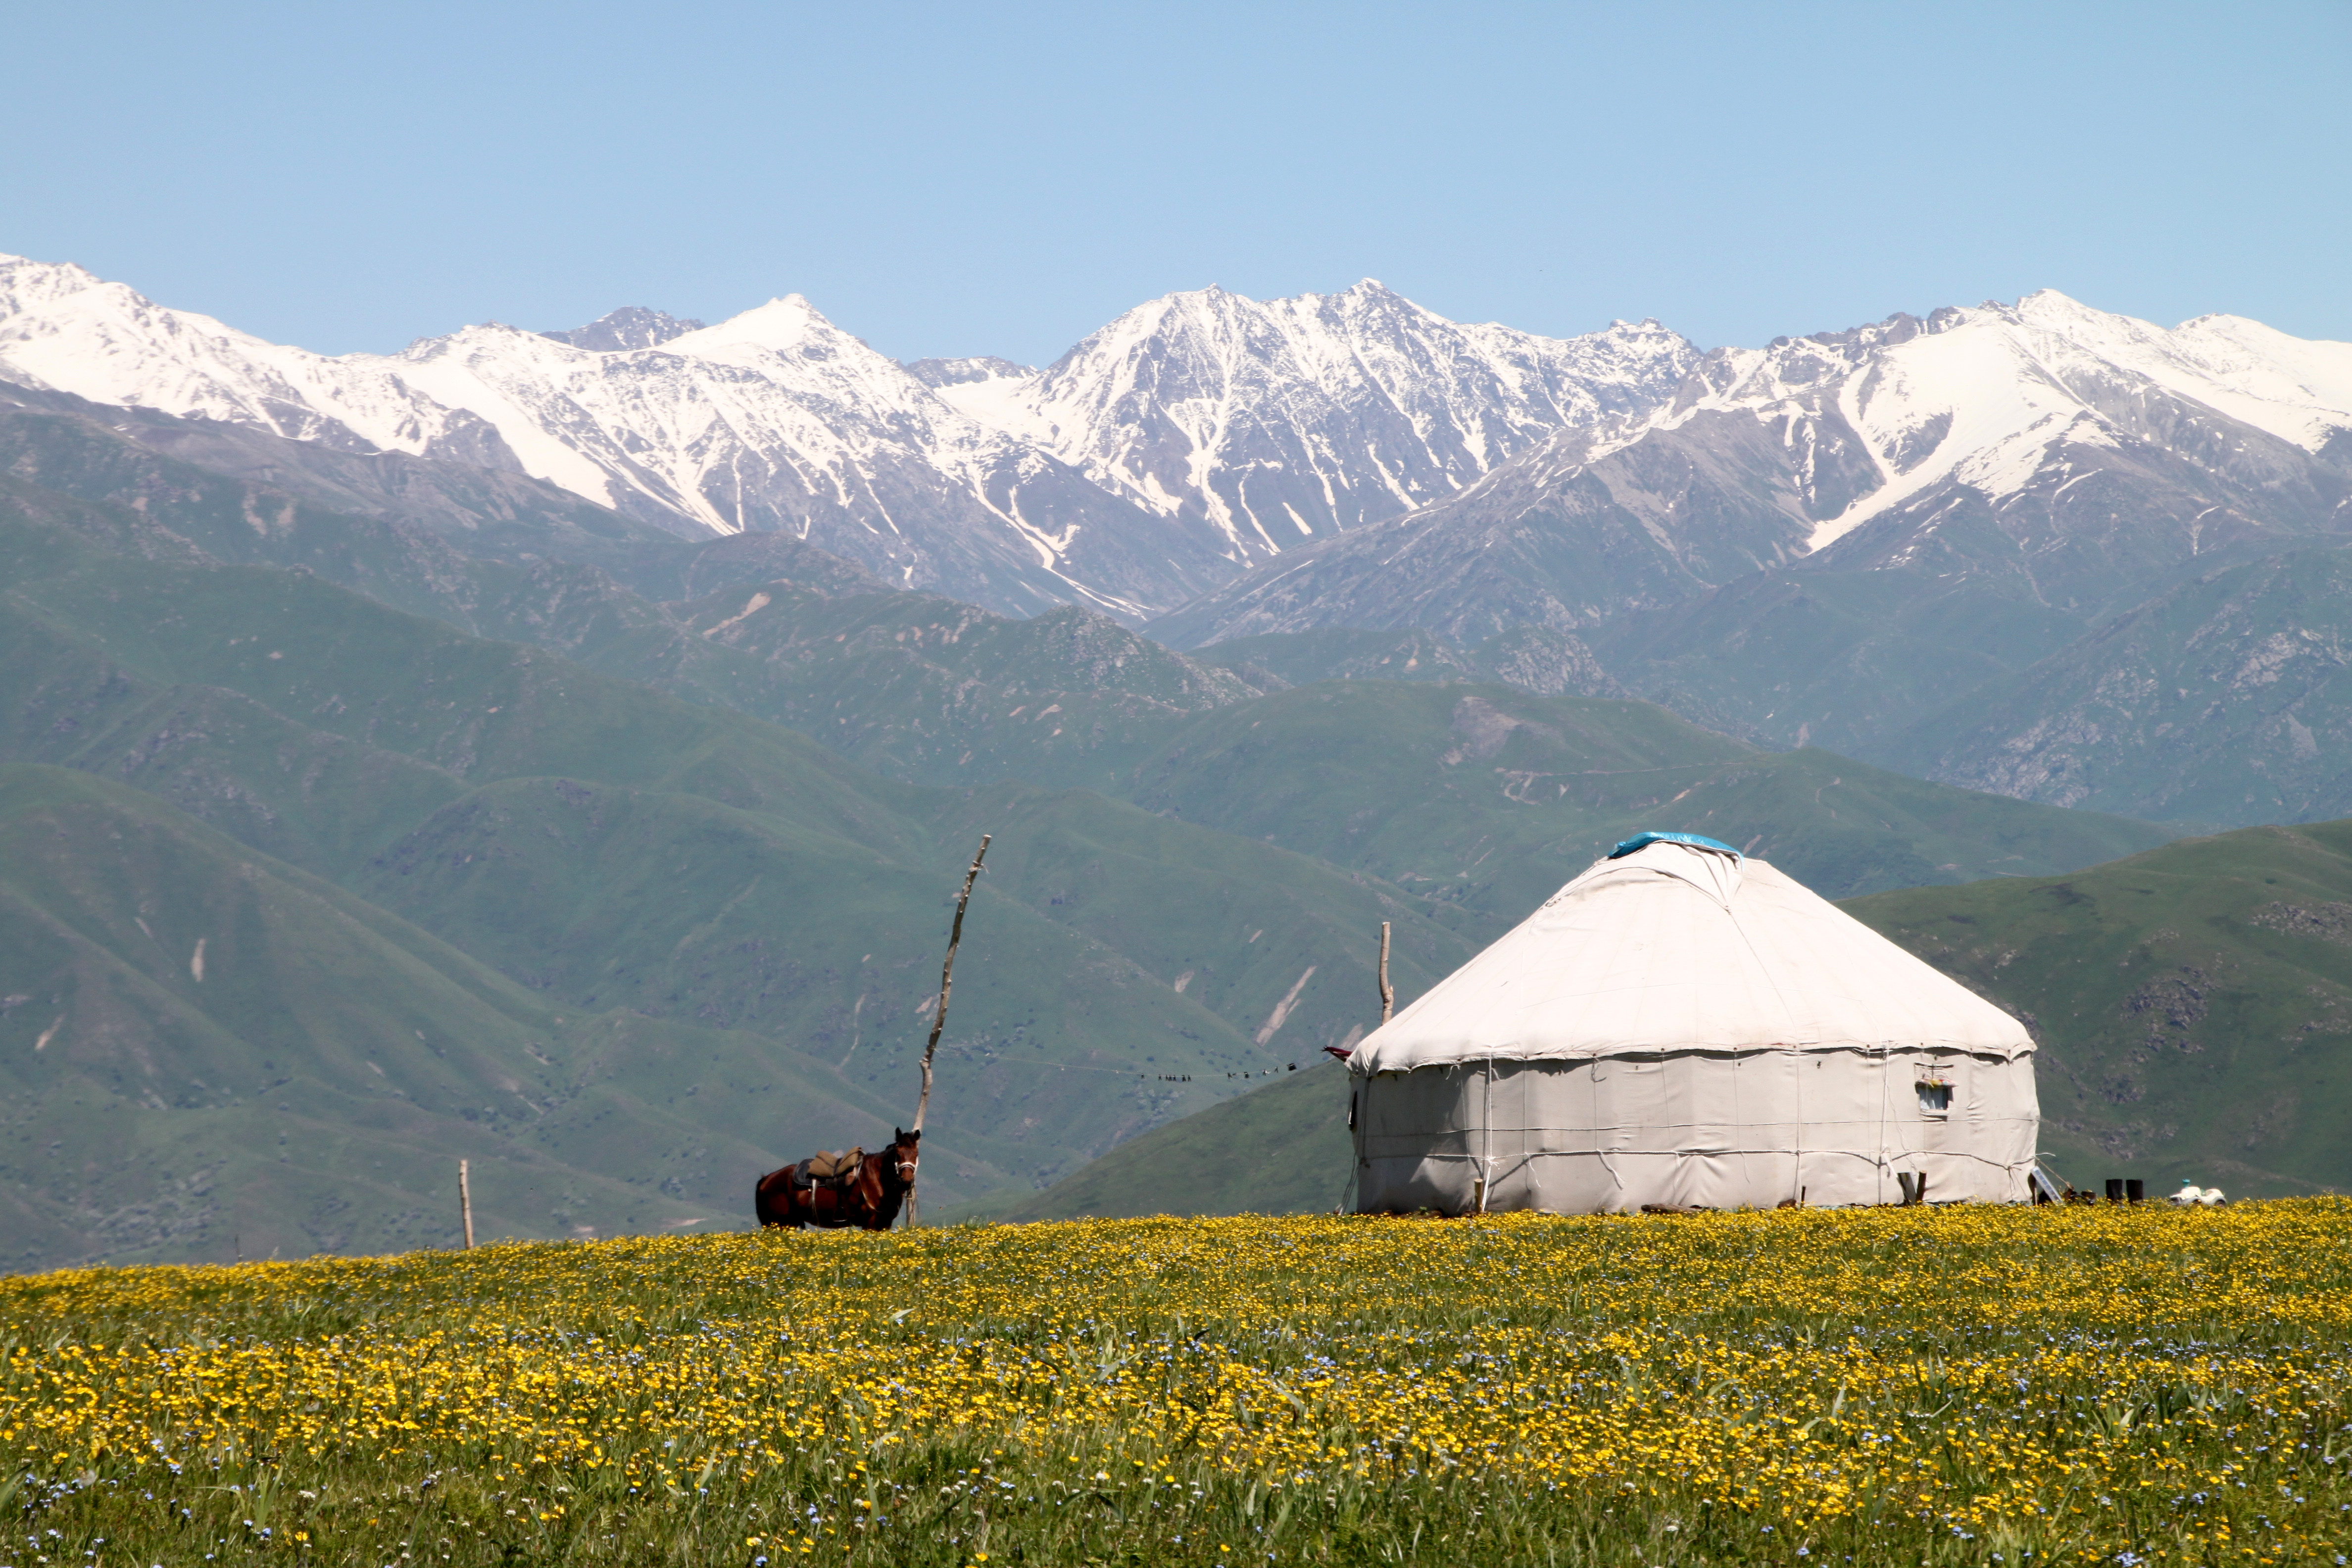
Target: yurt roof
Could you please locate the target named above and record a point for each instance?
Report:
(1679, 943)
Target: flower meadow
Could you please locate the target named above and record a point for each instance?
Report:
(2122, 1386)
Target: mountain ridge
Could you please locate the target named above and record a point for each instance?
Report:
(1818, 449)
(1179, 403)
(777, 420)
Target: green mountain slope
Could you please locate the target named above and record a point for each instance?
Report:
(928, 691)
(2191, 1002)
(1834, 659)
(914, 686)
(1470, 794)
(931, 690)
(680, 908)
(1496, 797)
(443, 717)
(1282, 1149)
(686, 862)
(206, 1051)
(1541, 659)
(2224, 701)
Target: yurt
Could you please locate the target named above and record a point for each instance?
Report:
(1684, 1028)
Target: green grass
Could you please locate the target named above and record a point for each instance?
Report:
(1893, 1386)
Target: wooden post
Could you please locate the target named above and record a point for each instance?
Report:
(947, 983)
(1388, 997)
(466, 1204)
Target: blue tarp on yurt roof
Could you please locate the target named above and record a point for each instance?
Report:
(1644, 840)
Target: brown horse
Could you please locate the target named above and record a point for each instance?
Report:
(871, 1196)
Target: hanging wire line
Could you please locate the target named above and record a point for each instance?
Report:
(982, 1054)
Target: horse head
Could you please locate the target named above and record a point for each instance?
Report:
(902, 1155)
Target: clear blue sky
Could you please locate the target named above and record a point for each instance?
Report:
(1004, 178)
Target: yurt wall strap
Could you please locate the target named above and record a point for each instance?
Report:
(1885, 1063)
(1487, 1142)
(1798, 1180)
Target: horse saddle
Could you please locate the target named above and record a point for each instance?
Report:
(828, 1169)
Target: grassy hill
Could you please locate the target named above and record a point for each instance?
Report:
(1495, 796)
(608, 845)
(2193, 1005)
(1282, 1149)
(207, 1051)
(1540, 660)
(2194, 1002)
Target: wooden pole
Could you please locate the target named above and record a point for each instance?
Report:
(1388, 997)
(466, 1204)
(947, 983)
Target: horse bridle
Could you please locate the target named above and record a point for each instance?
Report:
(907, 1167)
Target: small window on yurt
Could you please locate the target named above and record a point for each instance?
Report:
(1934, 1087)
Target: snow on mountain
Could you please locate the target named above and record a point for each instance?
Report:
(993, 391)
(1204, 435)
(1267, 424)
(1986, 397)
(62, 329)
(773, 420)
(2089, 452)
(1195, 435)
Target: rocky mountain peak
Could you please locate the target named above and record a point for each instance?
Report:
(630, 327)
(979, 368)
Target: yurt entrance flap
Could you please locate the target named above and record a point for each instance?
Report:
(1683, 1027)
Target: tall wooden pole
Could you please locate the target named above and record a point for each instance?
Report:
(947, 983)
(466, 1204)
(1388, 997)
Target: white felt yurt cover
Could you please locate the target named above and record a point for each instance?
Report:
(1680, 1025)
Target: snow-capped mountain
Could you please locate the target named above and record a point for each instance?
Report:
(1988, 398)
(1341, 459)
(1191, 436)
(773, 420)
(63, 329)
(1262, 425)
(2092, 451)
